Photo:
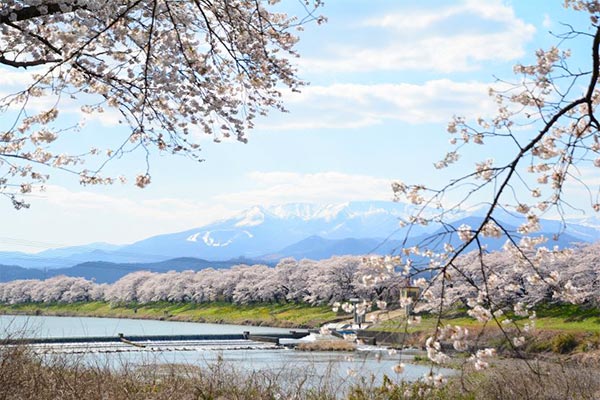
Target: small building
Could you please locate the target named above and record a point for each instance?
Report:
(358, 318)
(411, 292)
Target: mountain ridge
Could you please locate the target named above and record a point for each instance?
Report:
(279, 231)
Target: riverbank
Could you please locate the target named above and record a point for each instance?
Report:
(570, 318)
(560, 329)
(287, 315)
(544, 375)
(565, 329)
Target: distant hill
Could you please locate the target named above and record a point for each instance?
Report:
(106, 272)
(12, 272)
(318, 248)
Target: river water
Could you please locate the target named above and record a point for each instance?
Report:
(42, 326)
(246, 356)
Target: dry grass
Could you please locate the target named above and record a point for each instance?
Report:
(536, 381)
(508, 380)
(27, 376)
(327, 345)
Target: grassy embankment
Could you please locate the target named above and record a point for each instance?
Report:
(283, 315)
(563, 329)
(565, 318)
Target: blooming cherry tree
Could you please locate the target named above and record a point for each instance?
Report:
(172, 70)
(547, 119)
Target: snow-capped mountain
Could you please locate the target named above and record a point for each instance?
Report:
(262, 230)
(298, 230)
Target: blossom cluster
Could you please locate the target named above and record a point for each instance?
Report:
(171, 71)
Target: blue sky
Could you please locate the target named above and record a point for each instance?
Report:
(385, 77)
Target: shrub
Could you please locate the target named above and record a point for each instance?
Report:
(564, 343)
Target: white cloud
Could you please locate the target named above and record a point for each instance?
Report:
(265, 188)
(20, 78)
(323, 121)
(69, 108)
(161, 209)
(547, 23)
(585, 177)
(13, 81)
(322, 187)
(109, 117)
(354, 106)
(434, 39)
(411, 19)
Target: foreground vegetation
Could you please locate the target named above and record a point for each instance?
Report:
(27, 376)
(291, 315)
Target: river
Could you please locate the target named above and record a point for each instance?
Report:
(367, 361)
(42, 326)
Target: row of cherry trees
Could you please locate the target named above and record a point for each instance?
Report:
(521, 275)
(575, 277)
(313, 282)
